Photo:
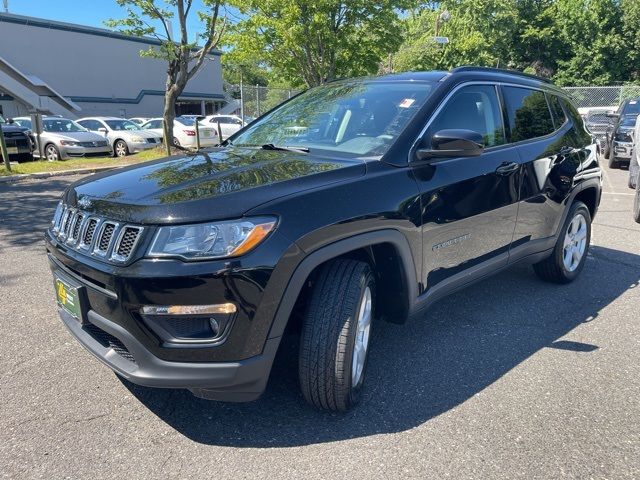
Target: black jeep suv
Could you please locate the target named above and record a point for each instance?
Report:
(355, 201)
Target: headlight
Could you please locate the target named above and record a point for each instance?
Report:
(211, 240)
(69, 143)
(138, 140)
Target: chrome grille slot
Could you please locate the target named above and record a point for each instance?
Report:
(66, 222)
(104, 238)
(75, 230)
(126, 243)
(89, 231)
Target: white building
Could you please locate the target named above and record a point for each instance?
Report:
(75, 71)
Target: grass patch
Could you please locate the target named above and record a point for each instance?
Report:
(39, 166)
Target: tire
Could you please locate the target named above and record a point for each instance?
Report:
(176, 142)
(636, 201)
(331, 368)
(51, 152)
(558, 268)
(120, 148)
(613, 162)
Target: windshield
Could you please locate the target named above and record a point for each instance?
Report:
(361, 118)
(598, 118)
(120, 125)
(631, 108)
(628, 121)
(188, 121)
(61, 125)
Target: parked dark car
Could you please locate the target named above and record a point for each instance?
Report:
(619, 141)
(19, 145)
(596, 121)
(357, 201)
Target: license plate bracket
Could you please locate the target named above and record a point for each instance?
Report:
(70, 296)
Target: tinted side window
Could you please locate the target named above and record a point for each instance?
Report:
(559, 116)
(476, 108)
(91, 124)
(527, 113)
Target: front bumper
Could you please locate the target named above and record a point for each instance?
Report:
(69, 151)
(226, 381)
(116, 331)
(622, 150)
(135, 147)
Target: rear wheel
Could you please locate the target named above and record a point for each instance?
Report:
(334, 345)
(176, 142)
(570, 252)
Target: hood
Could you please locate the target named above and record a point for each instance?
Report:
(222, 184)
(133, 133)
(76, 136)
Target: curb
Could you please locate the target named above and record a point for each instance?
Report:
(60, 173)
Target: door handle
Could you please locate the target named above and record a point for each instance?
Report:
(507, 168)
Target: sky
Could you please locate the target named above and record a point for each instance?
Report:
(83, 12)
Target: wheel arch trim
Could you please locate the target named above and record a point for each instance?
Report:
(337, 249)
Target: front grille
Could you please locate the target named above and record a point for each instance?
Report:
(94, 235)
(151, 140)
(109, 341)
(99, 143)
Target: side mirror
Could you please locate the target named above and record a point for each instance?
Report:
(103, 130)
(453, 143)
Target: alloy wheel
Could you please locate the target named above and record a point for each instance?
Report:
(361, 344)
(575, 243)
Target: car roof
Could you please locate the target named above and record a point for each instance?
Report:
(102, 118)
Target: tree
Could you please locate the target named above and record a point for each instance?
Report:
(480, 32)
(310, 42)
(184, 57)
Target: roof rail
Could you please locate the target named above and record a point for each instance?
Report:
(471, 68)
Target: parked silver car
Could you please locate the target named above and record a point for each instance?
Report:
(63, 138)
(124, 136)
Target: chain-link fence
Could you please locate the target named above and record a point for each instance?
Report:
(602, 96)
(254, 100)
(251, 101)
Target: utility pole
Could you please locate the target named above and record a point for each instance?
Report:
(6, 5)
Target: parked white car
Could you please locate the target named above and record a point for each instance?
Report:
(184, 132)
(229, 124)
(124, 136)
(63, 138)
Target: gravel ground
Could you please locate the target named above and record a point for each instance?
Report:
(511, 378)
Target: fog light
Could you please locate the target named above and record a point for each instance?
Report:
(190, 324)
(215, 326)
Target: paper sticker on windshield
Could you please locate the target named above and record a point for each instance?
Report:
(407, 102)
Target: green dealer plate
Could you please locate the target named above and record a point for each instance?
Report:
(68, 298)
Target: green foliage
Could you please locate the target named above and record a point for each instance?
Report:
(307, 42)
(574, 42)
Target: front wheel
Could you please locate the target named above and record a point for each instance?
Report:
(336, 328)
(570, 251)
(120, 148)
(51, 153)
(613, 162)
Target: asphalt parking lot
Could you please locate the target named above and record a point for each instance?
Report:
(511, 378)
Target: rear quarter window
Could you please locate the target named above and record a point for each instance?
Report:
(528, 114)
(559, 117)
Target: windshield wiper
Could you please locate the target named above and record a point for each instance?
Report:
(271, 146)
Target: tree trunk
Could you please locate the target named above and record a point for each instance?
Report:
(169, 115)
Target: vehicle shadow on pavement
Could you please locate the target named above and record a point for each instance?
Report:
(26, 209)
(419, 370)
